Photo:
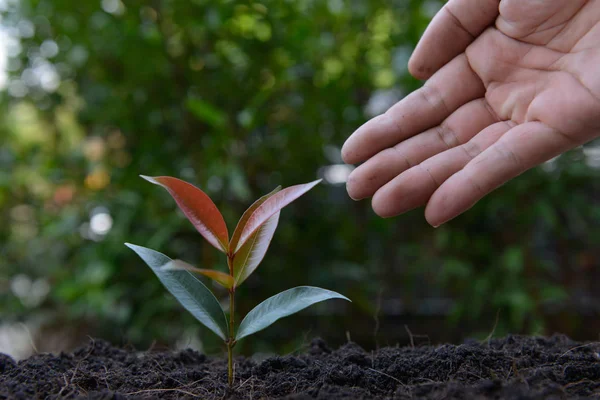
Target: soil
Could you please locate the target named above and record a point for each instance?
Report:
(514, 367)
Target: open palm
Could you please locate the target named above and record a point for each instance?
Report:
(510, 84)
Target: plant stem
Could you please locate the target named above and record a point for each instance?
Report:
(231, 341)
(231, 316)
(229, 363)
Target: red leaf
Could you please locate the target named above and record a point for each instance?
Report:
(270, 207)
(247, 214)
(250, 255)
(198, 208)
(222, 278)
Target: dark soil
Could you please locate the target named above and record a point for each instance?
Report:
(510, 368)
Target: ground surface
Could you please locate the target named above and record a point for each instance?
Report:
(512, 368)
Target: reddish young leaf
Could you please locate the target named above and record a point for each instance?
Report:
(250, 255)
(247, 214)
(198, 208)
(270, 207)
(222, 278)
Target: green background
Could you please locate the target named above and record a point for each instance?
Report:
(238, 97)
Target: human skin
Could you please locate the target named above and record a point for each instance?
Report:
(509, 85)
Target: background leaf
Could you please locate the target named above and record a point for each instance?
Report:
(206, 112)
(248, 258)
(189, 291)
(272, 205)
(281, 305)
(222, 278)
(198, 208)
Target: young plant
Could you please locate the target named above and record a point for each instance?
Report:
(245, 250)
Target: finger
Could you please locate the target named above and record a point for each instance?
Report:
(414, 187)
(453, 28)
(457, 129)
(520, 149)
(450, 88)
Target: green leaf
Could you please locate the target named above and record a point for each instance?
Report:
(281, 305)
(188, 290)
(513, 260)
(206, 112)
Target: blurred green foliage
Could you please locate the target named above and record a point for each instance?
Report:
(238, 97)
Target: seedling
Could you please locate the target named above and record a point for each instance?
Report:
(245, 250)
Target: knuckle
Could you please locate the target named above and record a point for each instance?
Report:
(471, 149)
(433, 97)
(427, 170)
(401, 156)
(447, 136)
(476, 185)
(509, 155)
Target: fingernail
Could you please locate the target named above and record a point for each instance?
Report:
(440, 223)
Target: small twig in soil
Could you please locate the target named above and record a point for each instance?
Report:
(82, 389)
(243, 383)
(491, 335)
(348, 338)
(179, 389)
(410, 336)
(64, 387)
(152, 345)
(304, 345)
(193, 383)
(517, 373)
(295, 389)
(30, 337)
(77, 368)
(481, 378)
(424, 380)
(162, 371)
(389, 376)
(158, 367)
(69, 381)
(106, 377)
(568, 385)
(577, 347)
(163, 390)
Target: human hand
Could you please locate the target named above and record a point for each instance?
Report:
(510, 84)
